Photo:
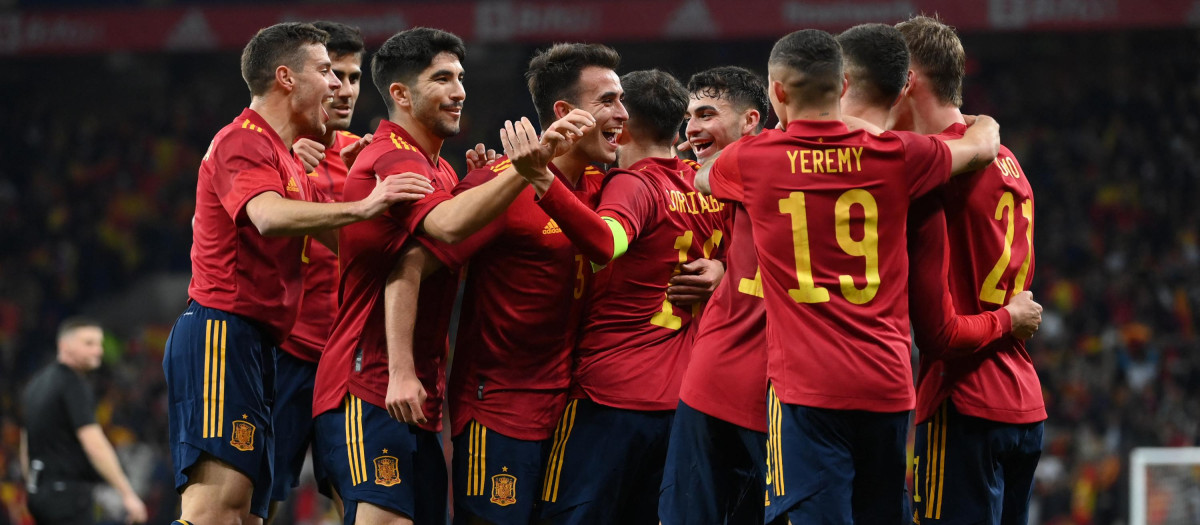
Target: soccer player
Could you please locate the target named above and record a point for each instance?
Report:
(524, 297)
(610, 446)
(980, 413)
(384, 470)
(253, 206)
(715, 461)
(828, 208)
(296, 365)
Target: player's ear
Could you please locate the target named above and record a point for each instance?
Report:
(750, 120)
(400, 95)
(845, 85)
(908, 83)
(561, 108)
(778, 92)
(283, 75)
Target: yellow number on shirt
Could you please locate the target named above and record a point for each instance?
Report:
(304, 250)
(807, 291)
(666, 317)
(990, 292)
(752, 286)
(867, 247)
(579, 276)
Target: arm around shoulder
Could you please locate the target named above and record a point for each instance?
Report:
(977, 147)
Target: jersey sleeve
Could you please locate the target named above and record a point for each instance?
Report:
(725, 177)
(410, 214)
(627, 198)
(927, 162)
(455, 256)
(939, 330)
(244, 167)
(80, 402)
(586, 230)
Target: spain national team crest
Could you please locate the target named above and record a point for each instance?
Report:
(387, 472)
(243, 435)
(504, 489)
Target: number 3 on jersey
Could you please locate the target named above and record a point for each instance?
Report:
(807, 290)
(991, 292)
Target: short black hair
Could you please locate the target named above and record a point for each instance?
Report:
(343, 39)
(407, 53)
(553, 73)
(278, 45)
(817, 57)
(740, 86)
(657, 103)
(73, 323)
(876, 59)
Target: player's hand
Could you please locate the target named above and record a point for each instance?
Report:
(405, 397)
(1026, 315)
(855, 123)
(404, 187)
(684, 146)
(480, 157)
(564, 132)
(135, 510)
(350, 153)
(695, 282)
(311, 153)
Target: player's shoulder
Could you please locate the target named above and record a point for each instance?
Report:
(393, 148)
(343, 139)
(242, 137)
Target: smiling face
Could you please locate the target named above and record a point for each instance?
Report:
(599, 93)
(713, 123)
(348, 70)
(438, 95)
(315, 84)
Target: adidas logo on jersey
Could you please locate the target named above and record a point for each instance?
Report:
(551, 228)
(292, 186)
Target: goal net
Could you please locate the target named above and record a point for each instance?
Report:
(1164, 486)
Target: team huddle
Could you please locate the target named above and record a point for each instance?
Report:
(641, 338)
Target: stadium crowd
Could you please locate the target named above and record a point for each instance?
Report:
(98, 186)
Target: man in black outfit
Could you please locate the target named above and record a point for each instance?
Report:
(63, 450)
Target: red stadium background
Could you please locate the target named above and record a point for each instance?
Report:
(109, 106)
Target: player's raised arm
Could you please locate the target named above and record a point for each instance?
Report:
(275, 216)
(977, 148)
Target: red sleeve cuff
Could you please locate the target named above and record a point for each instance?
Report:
(1005, 320)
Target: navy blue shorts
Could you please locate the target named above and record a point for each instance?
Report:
(220, 372)
(836, 466)
(606, 465)
(292, 422)
(715, 472)
(496, 477)
(371, 458)
(972, 470)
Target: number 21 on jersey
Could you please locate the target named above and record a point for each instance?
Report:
(990, 291)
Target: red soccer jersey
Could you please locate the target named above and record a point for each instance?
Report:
(989, 234)
(356, 357)
(234, 268)
(727, 375)
(319, 303)
(521, 309)
(635, 344)
(828, 206)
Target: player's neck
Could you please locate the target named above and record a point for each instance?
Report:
(429, 141)
(932, 116)
(870, 113)
(633, 153)
(330, 137)
(572, 165)
(278, 114)
(832, 111)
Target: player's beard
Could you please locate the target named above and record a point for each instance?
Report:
(432, 116)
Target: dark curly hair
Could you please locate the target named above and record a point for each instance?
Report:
(741, 87)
